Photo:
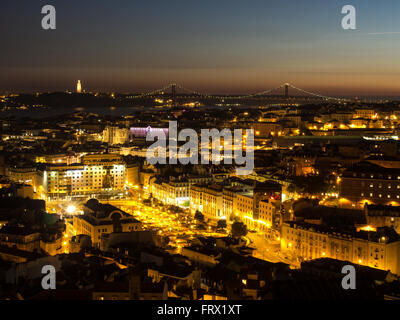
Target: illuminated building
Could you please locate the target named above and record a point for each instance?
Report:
(99, 219)
(243, 207)
(20, 238)
(241, 201)
(343, 117)
(265, 129)
(268, 210)
(383, 216)
(380, 249)
(200, 255)
(141, 132)
(228, 198)
(261, 217)
(96, 174)
(212, 202)
(369, 183)
(196, 198)
(132, 175)
(145, 177)
(58, 158)
(171, 193)
(268, 190)
(294, 120)
(208, 200)
(359, 123)
(300, 165)
(25, 239)
(365, 114)
(30, 176)
(115, 135)
(176, 192)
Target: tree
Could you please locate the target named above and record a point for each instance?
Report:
(147, 202)
(166, 240)
(291, 188)
(221, 224)
(199, 216)
(239, 229)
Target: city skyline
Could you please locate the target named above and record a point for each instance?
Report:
(209, 157)
(286, 90)
(225, 47)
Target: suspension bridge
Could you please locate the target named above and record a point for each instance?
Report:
(283, 91)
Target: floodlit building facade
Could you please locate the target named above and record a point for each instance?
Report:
(99, 219)
(377, 249)
(369, 183)
(115, 135)
(176, 191)
(96, 174)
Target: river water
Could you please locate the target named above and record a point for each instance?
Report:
(39, 113)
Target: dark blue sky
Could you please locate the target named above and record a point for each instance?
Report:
(211, 45)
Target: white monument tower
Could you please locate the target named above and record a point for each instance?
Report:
(79, 87)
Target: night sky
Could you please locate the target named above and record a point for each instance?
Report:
(216, 46)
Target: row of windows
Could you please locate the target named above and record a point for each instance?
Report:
(380, 185)
(376, 176)
(372, 195)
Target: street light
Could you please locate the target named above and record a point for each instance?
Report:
(71, 209)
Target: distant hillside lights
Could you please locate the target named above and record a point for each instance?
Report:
(189, 152)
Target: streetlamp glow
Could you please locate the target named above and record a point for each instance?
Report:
(71, 209)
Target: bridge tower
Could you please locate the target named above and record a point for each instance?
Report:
(173, 94)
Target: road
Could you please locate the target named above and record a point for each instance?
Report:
(268, 251)
(181, 228)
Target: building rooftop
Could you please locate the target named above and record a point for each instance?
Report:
(17, 230)
(382, 211)
(19, 253)
(331, 214)
(371, 171)
(335, 266)
(384, 234)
